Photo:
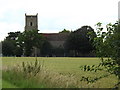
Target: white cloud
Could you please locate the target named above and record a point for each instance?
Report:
(5, 28)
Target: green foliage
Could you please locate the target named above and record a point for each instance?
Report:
(10, 45)
(58, 51)
(64, 66)
(17, 43)
(46, 48)
(94, 68)
(79, 41)
(32, 43)
(13, 35)
(6, 84)
(107, 45)
(65, 31)
(93, 80)
(14, 78)
(29, 40)
(8, 48)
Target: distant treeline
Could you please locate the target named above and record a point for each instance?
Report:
(32, 43)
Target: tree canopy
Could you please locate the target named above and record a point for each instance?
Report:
(65, 31)
(9, 45)
(79, 41)
(31, 41)
(107, 46)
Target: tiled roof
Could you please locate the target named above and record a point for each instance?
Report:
(56, 36)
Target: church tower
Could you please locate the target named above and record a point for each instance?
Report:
(31, 22)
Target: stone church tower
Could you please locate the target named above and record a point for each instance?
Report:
(56, 40)
(31, 22)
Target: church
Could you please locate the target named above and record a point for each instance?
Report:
(57, 40)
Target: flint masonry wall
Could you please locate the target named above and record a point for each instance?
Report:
(31, 22)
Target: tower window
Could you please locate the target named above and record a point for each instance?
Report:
(31, 24)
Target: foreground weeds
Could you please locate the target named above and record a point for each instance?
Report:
(33, 75)
(37, 75)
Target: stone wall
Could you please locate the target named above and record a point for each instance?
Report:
(56, 39)
(31, 22)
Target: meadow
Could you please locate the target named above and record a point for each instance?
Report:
(57, 72)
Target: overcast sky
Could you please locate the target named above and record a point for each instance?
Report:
(55, 15)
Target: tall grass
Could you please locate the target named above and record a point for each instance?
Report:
(8, 85)
(17, 79)
(54, 73)
(26, 77)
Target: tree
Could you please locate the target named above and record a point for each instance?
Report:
(31, 41)
(13, 35)
(9, 45)
(79, 41)
(46, 49)
(18, 51)
(107, 45)
(8, 48)
(65, 31)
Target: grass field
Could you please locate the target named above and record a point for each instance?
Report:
(7, 84)
(67, 68)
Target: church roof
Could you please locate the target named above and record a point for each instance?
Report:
(56, 36)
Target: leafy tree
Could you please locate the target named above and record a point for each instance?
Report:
(9, 45)
(8, 48)
(58, 51)
(13, 35)
(65, 31)
(46, 49)
(18, 51)
(107, 45)
(30, 40)
(79, 41)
